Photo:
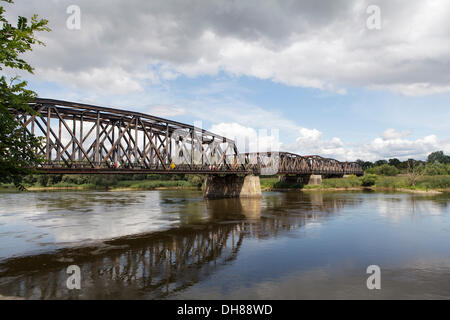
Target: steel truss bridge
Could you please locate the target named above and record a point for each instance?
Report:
(82, 138)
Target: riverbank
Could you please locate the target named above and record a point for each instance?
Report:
(119, 186)
(425, 192)
(425, 185)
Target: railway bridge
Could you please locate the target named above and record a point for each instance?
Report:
(87, 139)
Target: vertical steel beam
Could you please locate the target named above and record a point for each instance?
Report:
(145, 146)
(81, 138)
(192, 147)
(97, 141)
(32, 132)
(59, 146)
(74, 131)
(167, 144)
(135, 140)
(151, 146)
(48, 153)
(114, 155)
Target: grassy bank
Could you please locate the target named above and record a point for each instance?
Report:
(107, 182)
(121, 185)
(424, 183)
(149, 182)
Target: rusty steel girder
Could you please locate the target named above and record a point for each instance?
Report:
(82, 138)
(294, 164)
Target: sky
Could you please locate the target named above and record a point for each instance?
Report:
(340, 78)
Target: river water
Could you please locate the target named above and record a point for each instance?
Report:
(176, 245)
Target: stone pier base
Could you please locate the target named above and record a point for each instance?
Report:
(315, 179)
(231, 186)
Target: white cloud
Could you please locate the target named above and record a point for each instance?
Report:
(108, 80)
(322, 45)
(248, 139)
(166, 111)
(391, 133)
(391, 144)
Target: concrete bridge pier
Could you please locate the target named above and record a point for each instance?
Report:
(315, 179)
(231, 186)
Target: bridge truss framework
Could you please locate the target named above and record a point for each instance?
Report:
(82, 138)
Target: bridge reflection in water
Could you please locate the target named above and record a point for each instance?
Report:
(156, 265)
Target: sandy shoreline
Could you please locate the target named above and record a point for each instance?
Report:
(425, 192)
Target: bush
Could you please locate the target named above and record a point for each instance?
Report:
(386, 170)
(77, 179)
(434, 182)
(435, 169)
(368, 180)
(42, 179)
(29, 179)
(104, 180)
(158, 177)
(195, 179)
(139, 177)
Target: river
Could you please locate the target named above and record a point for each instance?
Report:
(173, 244)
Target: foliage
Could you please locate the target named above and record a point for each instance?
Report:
(434, 182)
(380, 162)
(16, 146)
(436, 168)
(438, 163)
(368, 180)
(364, 164)
(195, 179)
(438, 157)
(384, 170)
(397, 163)
(112, 180)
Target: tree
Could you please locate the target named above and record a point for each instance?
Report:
(395, 162)
(414, 172)
(380, 162)
(438, 156)
(17, 147)
(364, 164)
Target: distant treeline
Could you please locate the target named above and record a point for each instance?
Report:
(437, 163)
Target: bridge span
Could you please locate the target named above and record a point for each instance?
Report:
(87, 139)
